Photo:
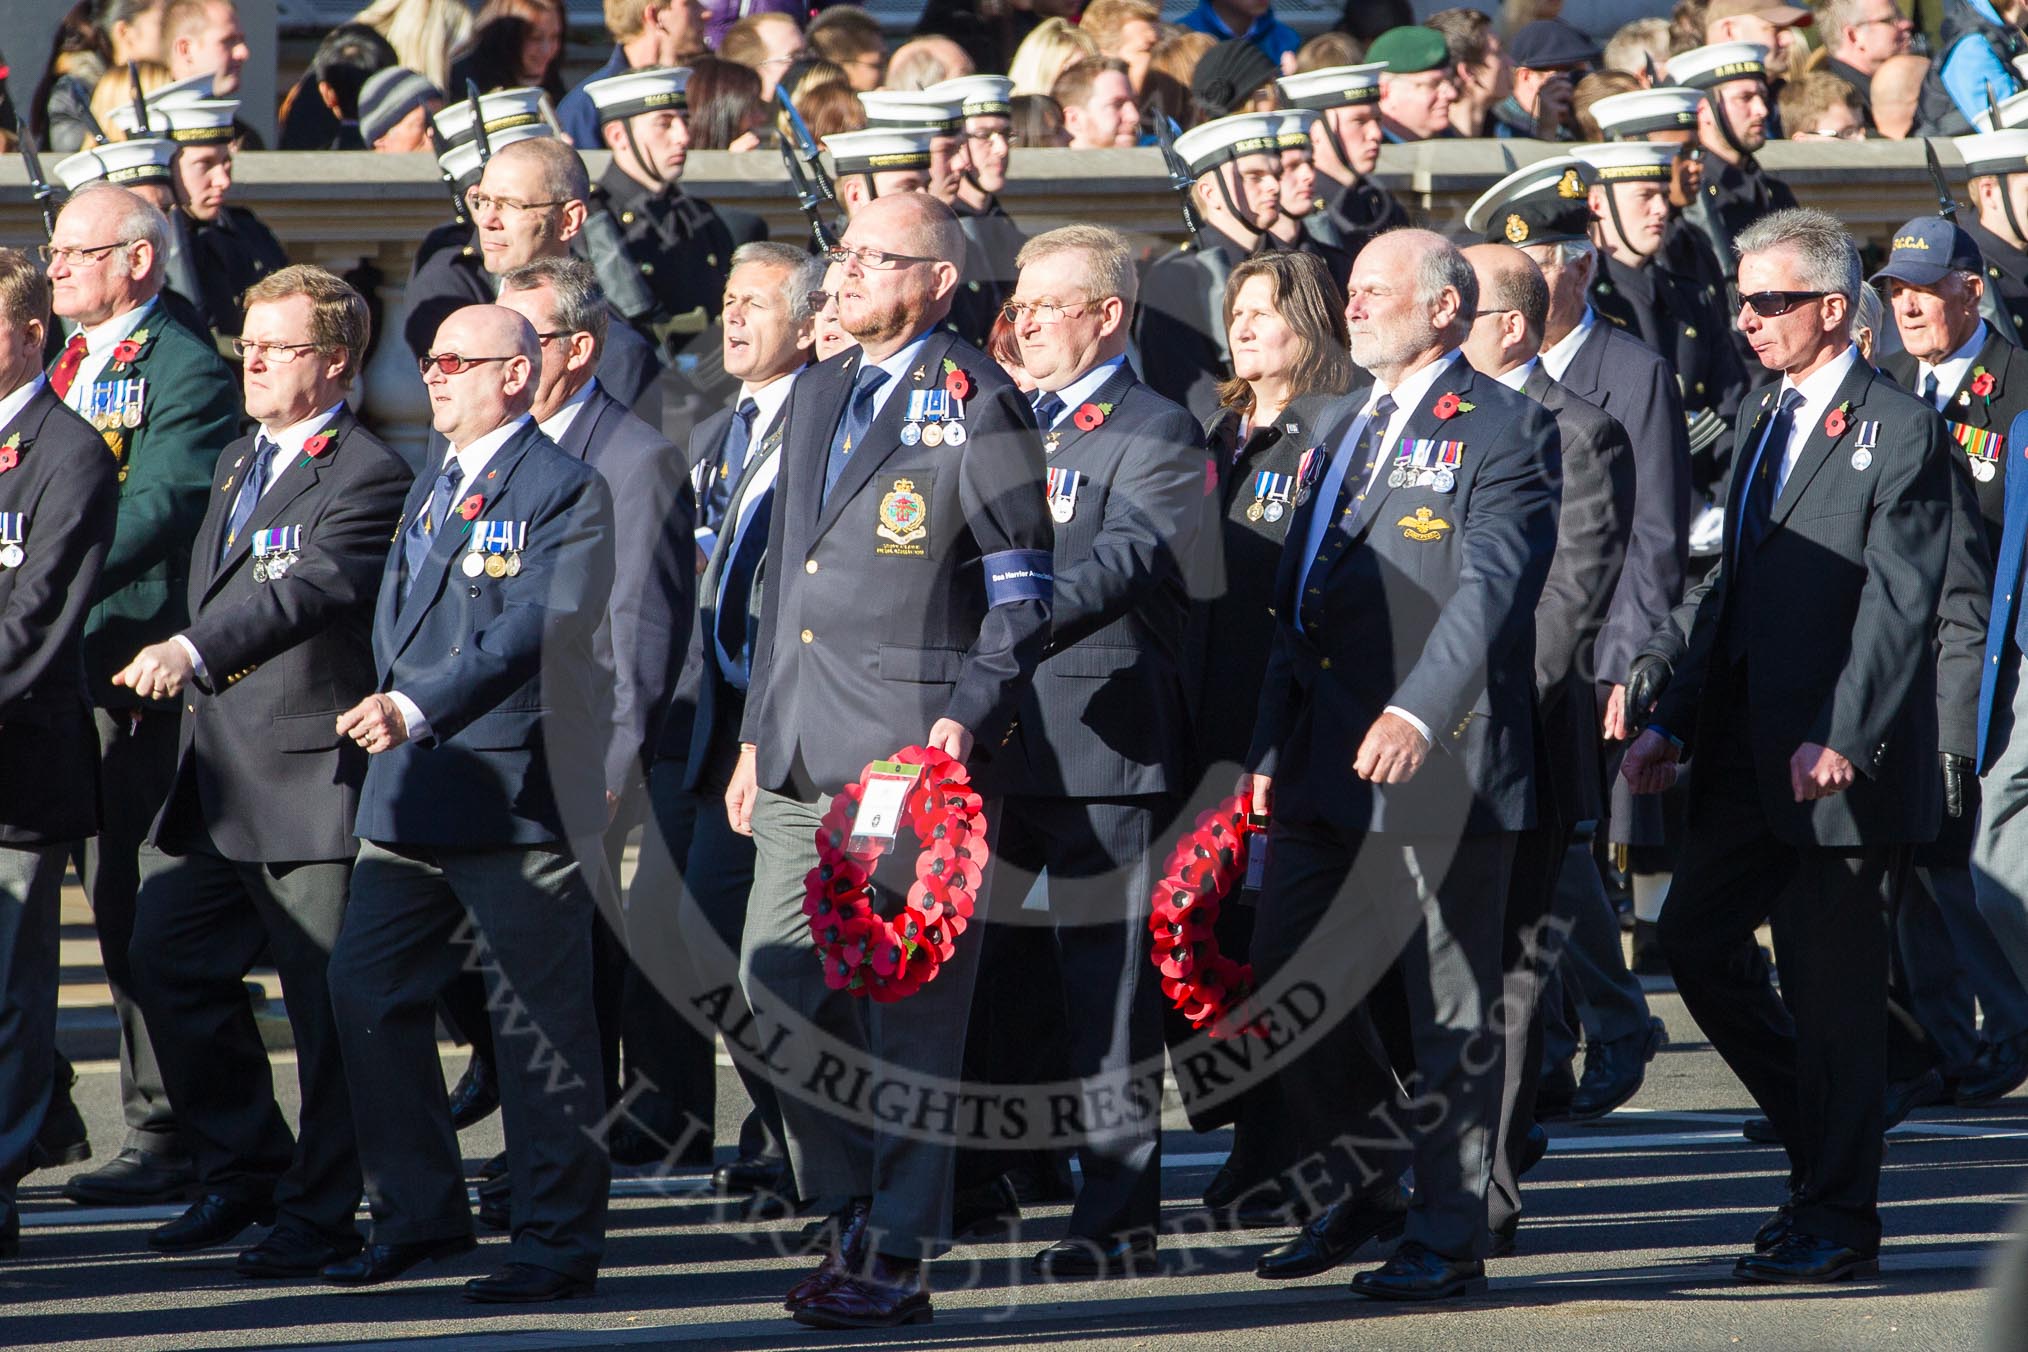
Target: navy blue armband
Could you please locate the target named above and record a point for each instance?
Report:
(1019, 575)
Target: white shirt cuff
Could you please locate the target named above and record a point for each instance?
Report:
(707, 539)
(196, 658)
(411, 717)
(1412, 721)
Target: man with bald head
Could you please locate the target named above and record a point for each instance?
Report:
(1894, 92)
(1592, 527)
(478, 827)
(909, 584)
(1394, 749)
(531, 202)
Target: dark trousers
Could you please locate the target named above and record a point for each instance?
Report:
(1813, 1057)
(522, 916)
(1338, 910)
(1531, 946)
(1098, 857)
(1591, 976)
(31, 881)
(137, 766)
(201, 921)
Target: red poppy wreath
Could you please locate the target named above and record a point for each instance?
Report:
(885, 958)
(1198, 978)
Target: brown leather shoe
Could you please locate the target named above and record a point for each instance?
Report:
(846, 1254)
(887, 1293)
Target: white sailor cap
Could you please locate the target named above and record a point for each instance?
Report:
(1209, 144)
(1994, 152)
(1627, 161)
(462, 161)
(878, 149)
(649, 90)
(978, 95)
(503, 110)
(1542, 202)
(913, 108)
(198, 122)
(1664, 108)
(195, 89)
(1706, 67)
(1297, 126)
(127, 163)
(1333, 87)
(2008, 112)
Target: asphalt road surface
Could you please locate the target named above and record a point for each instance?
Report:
(1628, 1242)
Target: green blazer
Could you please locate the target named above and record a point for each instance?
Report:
(188, 411)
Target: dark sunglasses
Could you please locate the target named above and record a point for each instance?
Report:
(451, 363)
(1768, 304)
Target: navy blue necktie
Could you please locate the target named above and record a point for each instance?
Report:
(734, 628)
(852, 427)
(731, 461)
(250, 489)
(421, 533)
(1758, 507)
(1047, 409)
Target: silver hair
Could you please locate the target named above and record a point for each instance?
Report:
(580, 300)
(136, 219)
(803, 272)
(1870, 313)
(1834, 15)
(1442, 265)
(1571, 252)
(1826, 258)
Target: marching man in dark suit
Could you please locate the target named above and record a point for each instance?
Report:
(1978, 380)
(907, 603)
(1814, 733)
(1593, 520)
(478, 827)
(59, 497)
(1405, 656)
(253, 851)
(166, 404)
(1101, 761)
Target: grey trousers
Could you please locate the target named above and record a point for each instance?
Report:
(522, 916)
(1593, 968)
(31, 876)
(2000, 854)
(838, 1156)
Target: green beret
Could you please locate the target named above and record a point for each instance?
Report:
(1410, 49)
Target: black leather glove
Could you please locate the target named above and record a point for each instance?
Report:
(1647, 678)
(1956, 770)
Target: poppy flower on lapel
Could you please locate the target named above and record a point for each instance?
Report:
(1834, 423)
(10, 454)
(1449, 406)
(956, 383)
(472, 506)
(1982, 383)
(125, 351)
(1090, 416)
(317, 445)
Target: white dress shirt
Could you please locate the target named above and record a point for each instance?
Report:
(100, 340)
(473, 459)
(558, 423)
(763, 481)
(1817, 390)
(1408, 396)
(768, 401)
(1078, 392)
(11, 406)
(290, 441)
(1953, 371)
(1557, 358)
(899, 366)
(1518, 377)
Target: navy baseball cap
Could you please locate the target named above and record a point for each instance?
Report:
(1929, 249)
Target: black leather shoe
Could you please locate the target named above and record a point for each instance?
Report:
(1506, 1239)
(1805, 1260)
(629, 1144)
(1224, 1188)
(494, 1167)
(1905, 1096)
(1649, 959)
(887, 1294)
(384, 1262)
(1760, 1131)
(526, 1284)
(210, 1221)
(134, 1178)
(1269, 1206)
(10, 1230)
(496, 1202)
(1075, 1259)
(987, 1209)
(290, 1251)
(2002, 1068)
(1614, 1071)
(1533, 1147)
(1775, 1229)
(1553, 1094)
(475, 1095)
(1043, 1179)
(847, 1251)
(747, 1174)
(63, 1138)
(1414, 1273)
(1335, 1236)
